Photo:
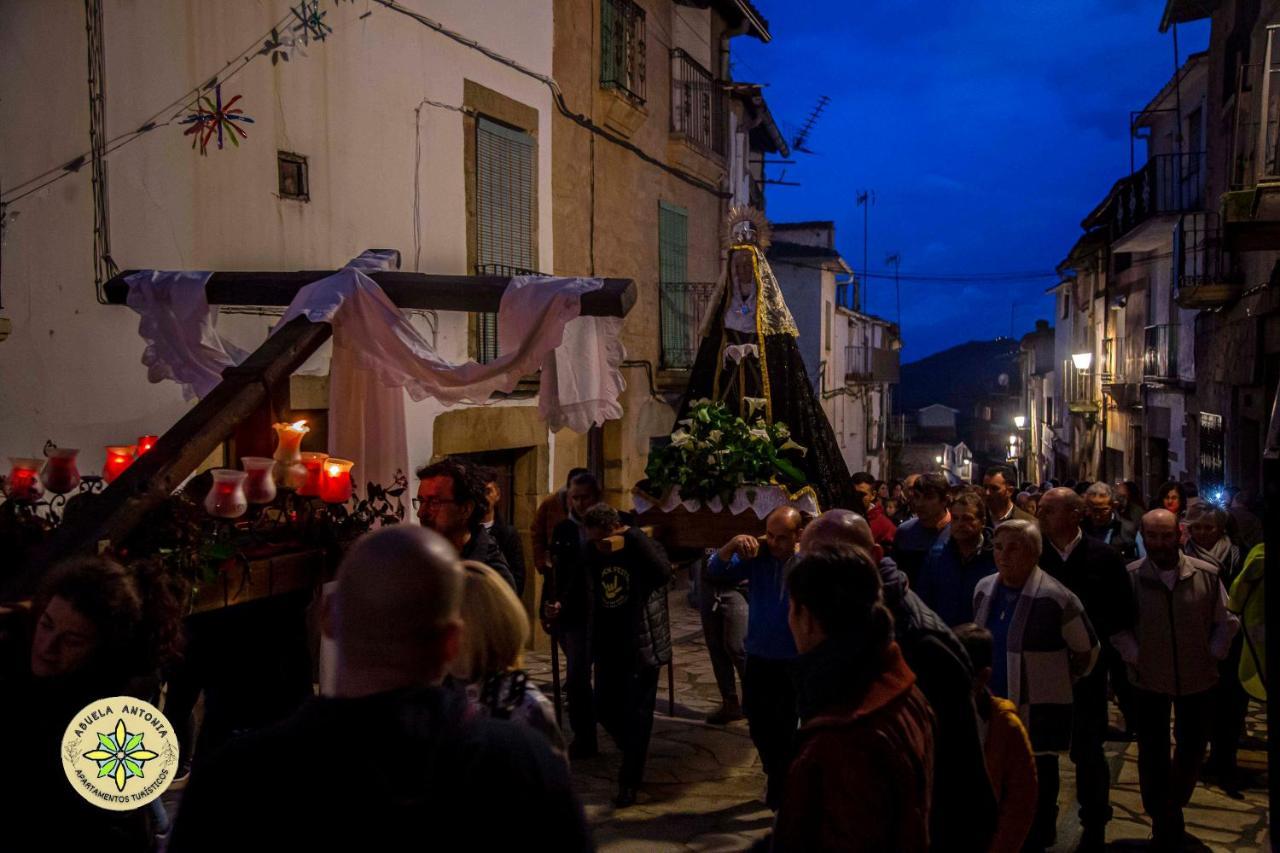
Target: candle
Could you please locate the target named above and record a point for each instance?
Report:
(226, 498)
(146, 442)
(336, 486)
(23, 483)
(60, 474)
(288, 471)
(119, 457)
(259, 488)
(314, 463)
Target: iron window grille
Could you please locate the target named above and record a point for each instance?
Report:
(622, 47)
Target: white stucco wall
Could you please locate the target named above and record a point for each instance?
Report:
(70, 371)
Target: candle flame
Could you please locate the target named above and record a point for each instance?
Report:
(300, 426)
(334, 470)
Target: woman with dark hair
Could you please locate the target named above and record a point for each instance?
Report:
(864, 750)
(101, 630)
(1171, 496)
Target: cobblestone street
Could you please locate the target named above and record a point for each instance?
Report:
(704, 786)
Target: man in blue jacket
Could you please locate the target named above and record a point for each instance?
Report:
(768, 693)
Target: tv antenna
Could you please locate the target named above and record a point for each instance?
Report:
(798, 143)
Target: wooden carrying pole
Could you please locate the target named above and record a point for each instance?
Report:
(152, 478)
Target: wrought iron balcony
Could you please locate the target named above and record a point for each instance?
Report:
(870, 364)
(1160, 354)
(1167, 184)
(699, 109)
(682, 307)
(1203, 276)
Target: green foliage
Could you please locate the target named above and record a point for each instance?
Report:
(713, 452)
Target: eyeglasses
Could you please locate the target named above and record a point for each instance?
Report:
(431, 503)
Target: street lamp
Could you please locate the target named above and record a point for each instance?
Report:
(938, 459)
(1082, 360)
(1020, 421)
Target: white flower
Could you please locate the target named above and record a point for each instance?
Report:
(754, 404)
(791, 445)
(680, 438)
(715, 435)
(759, 434)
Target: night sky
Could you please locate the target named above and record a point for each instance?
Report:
(987, 130)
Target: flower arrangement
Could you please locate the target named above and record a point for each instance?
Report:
(714, 452)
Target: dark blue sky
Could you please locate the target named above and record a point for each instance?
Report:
(987, 130)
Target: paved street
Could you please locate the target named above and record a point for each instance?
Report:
(703, 784)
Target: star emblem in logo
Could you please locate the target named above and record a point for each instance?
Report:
(121, 755)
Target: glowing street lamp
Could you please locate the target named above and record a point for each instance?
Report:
(1082, 360)
(1020, 421)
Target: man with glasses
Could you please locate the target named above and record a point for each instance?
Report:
(451, 501)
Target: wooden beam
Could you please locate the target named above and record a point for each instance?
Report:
(155, 475)
(406, 289)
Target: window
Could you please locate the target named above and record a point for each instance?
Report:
(826, 325)
(505, 214)
(1066, 305)
(622, 47)
(292, 173)
(681, 301)
(698, 105)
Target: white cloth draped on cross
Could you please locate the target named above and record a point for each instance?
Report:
(377, 352)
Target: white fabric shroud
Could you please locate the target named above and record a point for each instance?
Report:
(376, 352)
(178, 327)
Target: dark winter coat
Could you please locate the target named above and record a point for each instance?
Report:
(482, 548)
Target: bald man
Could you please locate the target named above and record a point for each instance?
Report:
(768, 692)
(1183, 630)
(963, 810)
(1095, 572)
(393, 754)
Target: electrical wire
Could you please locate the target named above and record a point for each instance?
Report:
(153, 122)
(557, 98)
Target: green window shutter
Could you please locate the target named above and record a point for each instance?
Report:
(676, 295)
(505, 213)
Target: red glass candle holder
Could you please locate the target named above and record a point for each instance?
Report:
(23, 482)
(314, 463)
(335, 488)
(119, 457)
(145, 443)
(259, 488)
(60, 474)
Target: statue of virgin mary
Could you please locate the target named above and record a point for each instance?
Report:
(748, 352)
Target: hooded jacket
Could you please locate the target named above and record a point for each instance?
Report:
(861, 778)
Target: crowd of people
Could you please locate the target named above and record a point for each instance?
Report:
(911, 670)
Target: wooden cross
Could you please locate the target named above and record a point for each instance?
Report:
(248, 388)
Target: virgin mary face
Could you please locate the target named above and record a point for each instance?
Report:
(742, 273)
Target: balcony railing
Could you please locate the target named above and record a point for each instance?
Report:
(1078, 388)
(698, 105)
(1168, 183)
(683, 305)
(622, 48)
(899, 430)
(486, 349)
(1112, 367)
(1256, 128)
(870, 364)
(1203, 276)
(1160, 354)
